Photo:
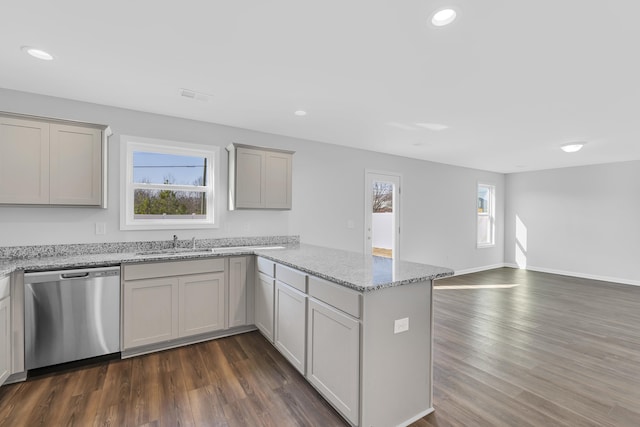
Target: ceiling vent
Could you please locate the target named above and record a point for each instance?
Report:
(192, 94)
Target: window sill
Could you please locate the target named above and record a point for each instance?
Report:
(169, 226)
(485, 246)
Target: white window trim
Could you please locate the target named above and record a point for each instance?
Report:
(129, 144)
(491, 215)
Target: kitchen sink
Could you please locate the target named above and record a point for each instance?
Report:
(243, 248)
(186, 251)
(174, 251)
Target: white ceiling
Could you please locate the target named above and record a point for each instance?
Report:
(512, 79)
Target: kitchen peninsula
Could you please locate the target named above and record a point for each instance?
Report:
(359, 328)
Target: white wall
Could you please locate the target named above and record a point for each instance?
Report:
(438, 201)
(580, 221)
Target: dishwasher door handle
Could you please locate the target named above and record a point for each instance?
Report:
(74, 275)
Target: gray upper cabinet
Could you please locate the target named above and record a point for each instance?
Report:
(24, 161)
(259, 178)
(75, 165)
(51, 162)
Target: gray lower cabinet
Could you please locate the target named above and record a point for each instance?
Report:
(150, 313)
(5, 330)
(334, 354)
(169, 300)
(264, 299)
(315, 325)
(290, 324)
(333, 357)
(201, 303)
(238, 292)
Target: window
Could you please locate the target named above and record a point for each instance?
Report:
(167, 184)
(486, 215)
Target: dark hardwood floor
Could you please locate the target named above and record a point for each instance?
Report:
(512, 348)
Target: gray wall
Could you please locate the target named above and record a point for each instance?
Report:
(580, 221)
(438, 201)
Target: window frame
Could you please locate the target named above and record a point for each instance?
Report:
(491, 214)
(129, 144)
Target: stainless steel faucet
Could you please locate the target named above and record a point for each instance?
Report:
(175, 241)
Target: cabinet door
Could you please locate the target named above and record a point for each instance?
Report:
(5, 339)
(333, 357)
(264, 305)
(76, 165)
(237, 291)
(150, 311)
(290, 325)
(201, 303)
(250, 185)
(24, 161)
(277, 180)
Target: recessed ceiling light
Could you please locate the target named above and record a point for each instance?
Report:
(192, 94)
(432, 126)
(443, 17)
(572, 147)
(37, 53)
(300, 113)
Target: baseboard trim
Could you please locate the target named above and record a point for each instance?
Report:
(180, 342)
(416, 418)
(16, 378)
(478, 269)
(610, 279)
(586, 276)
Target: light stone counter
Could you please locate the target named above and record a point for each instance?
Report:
(67, 256)
(351, 269)
(354, 270)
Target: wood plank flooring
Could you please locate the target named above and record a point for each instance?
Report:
(512, 348)
(519, 348)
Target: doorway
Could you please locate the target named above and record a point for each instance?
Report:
(382, 214)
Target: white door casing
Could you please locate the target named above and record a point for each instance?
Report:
(395, 179)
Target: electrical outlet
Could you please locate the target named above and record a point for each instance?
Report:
(101, 228)
(401, 325)
(351, 224)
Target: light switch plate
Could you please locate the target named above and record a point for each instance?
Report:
(101, 228)
(401, 325)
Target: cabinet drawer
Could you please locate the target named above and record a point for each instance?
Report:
(266, 266)
(149, 270)
(335, 295)
(291, 277)
(4, 287)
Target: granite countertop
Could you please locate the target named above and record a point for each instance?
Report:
(354, 270)
(111, 259)
(350, 269)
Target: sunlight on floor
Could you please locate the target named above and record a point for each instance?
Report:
(386, 253)
(521, 243)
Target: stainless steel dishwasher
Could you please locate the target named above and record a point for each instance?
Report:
(71, 315)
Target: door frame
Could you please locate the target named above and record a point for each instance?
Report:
(371, 175)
